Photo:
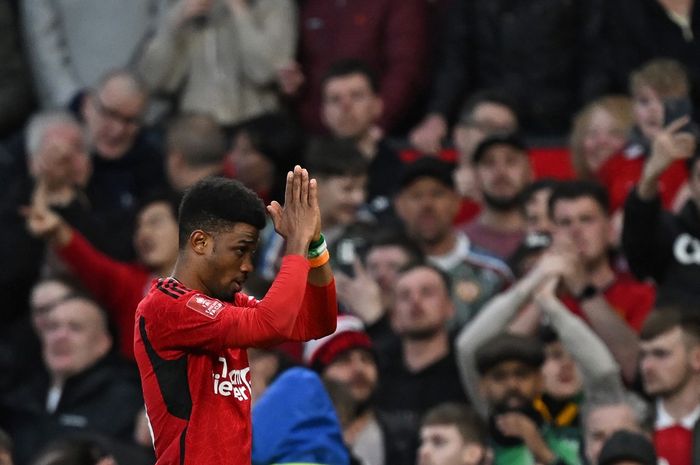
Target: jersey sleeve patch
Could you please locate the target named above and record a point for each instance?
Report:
(205, 305)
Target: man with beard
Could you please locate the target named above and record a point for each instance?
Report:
(612, 302)
(421, 363)
(427, 204)
(347, 358)
(510, 382)
(670, 370)
(502, 171)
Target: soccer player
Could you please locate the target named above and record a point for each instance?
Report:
(192, 329)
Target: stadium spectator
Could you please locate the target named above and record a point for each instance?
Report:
(484, 114)
(613, 303)
(351, 108)
(427, 204)
(388, 35)
(348, 357)
(220, 56)
(368, 292)
(452, 434)
(670, 371)
(421, 363)
(86, 388)
(608, 412)
(536, 58)
(502, 172)
(72, 45)
(118, 286)
(195, 149)
(657, 243)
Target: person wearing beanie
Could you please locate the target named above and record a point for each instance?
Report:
(346, 357)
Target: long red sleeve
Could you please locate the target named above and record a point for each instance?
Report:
(117, 286)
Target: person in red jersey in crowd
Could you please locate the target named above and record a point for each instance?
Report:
(192, 329)
(669, 365)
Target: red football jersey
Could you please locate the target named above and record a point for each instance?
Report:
(631, 299)
(190, 350)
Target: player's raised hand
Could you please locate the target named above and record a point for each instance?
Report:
(299, 220)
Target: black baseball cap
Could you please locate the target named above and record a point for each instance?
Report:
(428, 167)
(512, 140)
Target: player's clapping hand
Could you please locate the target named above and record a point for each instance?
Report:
(299, 220)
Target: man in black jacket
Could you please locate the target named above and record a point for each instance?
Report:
(658, 244)
(85, 388)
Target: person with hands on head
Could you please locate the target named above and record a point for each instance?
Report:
(192, 329)
(659, 244)
(609, 299)
(518, 404)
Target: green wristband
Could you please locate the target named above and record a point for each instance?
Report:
(317, 243)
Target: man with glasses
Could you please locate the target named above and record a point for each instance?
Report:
(127, 166)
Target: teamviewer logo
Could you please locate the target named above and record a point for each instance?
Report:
(234, 382)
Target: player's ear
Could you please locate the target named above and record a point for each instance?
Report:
(200, 241)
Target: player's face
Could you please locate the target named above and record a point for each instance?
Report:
(229, 260)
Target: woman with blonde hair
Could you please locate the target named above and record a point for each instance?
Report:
(600, 130)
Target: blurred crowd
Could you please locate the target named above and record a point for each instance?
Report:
(510, 192)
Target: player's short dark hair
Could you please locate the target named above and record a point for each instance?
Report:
(572, 190)
(470, 426)
(217, 203)
(334, 157)
(347, 67)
